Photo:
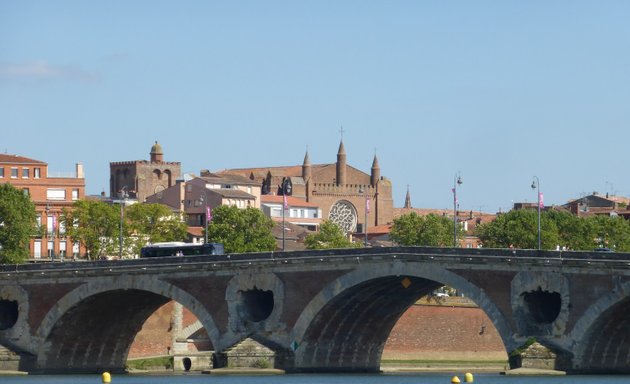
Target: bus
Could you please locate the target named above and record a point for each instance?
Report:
(181, 249)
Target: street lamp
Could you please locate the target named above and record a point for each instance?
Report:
(367, 210)
(536, 185)
(123, 197)
(204, 200)
(457, 180)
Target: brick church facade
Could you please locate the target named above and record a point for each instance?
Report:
(346, 195)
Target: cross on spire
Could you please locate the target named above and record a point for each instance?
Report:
(341, 131)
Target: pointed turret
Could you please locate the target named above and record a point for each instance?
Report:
(408, 199)
(376, 172)
(306, 168)
(341, 165)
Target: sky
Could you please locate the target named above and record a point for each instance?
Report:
(494, 91)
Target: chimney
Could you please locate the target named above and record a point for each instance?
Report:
(79, 169)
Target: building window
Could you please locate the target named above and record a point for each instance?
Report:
(75, 194)
(56, 194)
(25, 173)
(14, 173)
(50, 225)
(37, 249)
(26, 192)
(62, 249)
(51, 249)
(75, 250)
(2, 172)
(37, 173)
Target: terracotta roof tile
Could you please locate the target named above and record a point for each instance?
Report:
(15, 159)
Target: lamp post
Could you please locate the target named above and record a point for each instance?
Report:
(204, 198)
(367, 210)
(457, 180)
(536, 186)
(123, 198)
(285, 206)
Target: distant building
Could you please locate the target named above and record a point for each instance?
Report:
(50, 194)
(345, 195)
(142, 178)
(196, 197)
(596, 204)
(298, 212)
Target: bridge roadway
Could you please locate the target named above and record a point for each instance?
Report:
(320, 311)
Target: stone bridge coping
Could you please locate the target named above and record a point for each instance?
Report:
(483, 257)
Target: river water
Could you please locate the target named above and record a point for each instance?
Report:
(386, 378)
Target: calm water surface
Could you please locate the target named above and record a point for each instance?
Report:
(389, 378)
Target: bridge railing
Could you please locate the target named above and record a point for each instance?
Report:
(470, 256)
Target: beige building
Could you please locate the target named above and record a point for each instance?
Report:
(196, 197)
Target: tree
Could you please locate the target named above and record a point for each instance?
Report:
(94, 224)
(241, 230)
(17, 223)
(519, 228)
(430, 230)
(612, 232)
(330, 236)
(151, 223)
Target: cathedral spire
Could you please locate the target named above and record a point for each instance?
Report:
(408, 199)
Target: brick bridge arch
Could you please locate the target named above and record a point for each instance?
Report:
(601, 338)
(111, 312)
(360, 309)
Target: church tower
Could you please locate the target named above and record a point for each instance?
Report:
(341, 165)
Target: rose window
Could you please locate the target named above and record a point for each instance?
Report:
(344, 215)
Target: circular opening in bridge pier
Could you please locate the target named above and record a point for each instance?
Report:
(8, 314)
(187, 363)
(258, 304)
(543, 306)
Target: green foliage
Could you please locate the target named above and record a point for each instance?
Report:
(151, 223)
(17, 224)
(330, 236)
(262, 363)
(431, 230)
(520, 229)
(518, 351)
(152, 363)
(241, 230)
(612, 232)
(94, 224)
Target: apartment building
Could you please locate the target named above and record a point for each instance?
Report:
(50, 193)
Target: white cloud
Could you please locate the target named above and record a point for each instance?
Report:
(42, 70)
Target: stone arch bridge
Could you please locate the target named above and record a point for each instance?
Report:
(320, 311)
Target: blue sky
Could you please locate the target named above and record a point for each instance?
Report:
(498, 91)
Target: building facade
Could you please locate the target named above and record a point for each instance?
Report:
(346, 195)
(51, 195)
(141, 178)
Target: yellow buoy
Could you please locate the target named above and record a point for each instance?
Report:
(455, 380)
(468, 377)
(107, 378)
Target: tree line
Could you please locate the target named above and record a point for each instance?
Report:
(96, 225)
